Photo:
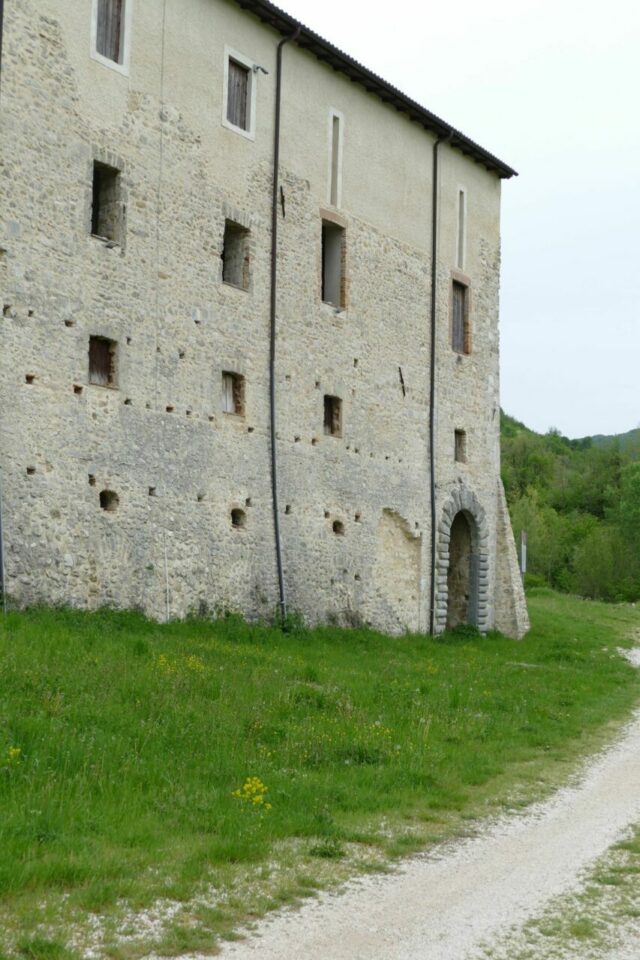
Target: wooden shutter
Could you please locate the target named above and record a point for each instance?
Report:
(237, 95)
(458, 318)
(109, 30)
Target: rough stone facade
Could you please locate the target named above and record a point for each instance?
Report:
(190, 527)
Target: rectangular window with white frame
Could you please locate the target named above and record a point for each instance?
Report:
(336, 135)
(239, 93)
(111, 33)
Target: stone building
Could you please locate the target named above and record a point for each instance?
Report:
(249, 329)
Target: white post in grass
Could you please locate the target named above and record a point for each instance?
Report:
(523, 553)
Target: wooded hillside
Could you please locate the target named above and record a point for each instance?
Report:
(579, 501)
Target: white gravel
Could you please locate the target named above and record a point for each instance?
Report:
(446, 904)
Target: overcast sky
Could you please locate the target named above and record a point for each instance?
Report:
(552, 87)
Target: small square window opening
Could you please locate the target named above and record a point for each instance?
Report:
(102, 362)
(106, 203)
(333, 416)
(333, 262)
(233, 394)
(460, 446)
(235, 255)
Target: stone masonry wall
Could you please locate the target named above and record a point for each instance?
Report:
(355, 508)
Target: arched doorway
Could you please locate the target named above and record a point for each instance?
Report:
(462, 574)
(471, 580)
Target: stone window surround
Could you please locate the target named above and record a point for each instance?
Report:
(463, 499)
(122, 68)
(250, 64)
(458, 276)
(102, 155)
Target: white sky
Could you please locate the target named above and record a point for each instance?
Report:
(552, 87)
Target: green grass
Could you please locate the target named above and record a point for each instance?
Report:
(134, 736)
(591, 921)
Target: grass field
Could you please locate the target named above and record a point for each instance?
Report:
(228, 767)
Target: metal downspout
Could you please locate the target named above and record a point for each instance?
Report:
(432, 373)
(272, 329)
(1, 22)
(3, 593)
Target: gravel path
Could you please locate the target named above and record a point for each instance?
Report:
(446, 904)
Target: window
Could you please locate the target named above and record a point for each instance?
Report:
(333, 416)
(102, 362)
(460, 446)
(106, 204)
(238, 518)
(238, 95)
(233, 394)
(335, 158)
(110, 29)
(235, 255)
(460, 333)
(333, 258)
(109, 500)
(462, 226)
(110, 33)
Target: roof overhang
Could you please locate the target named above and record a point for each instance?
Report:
(287, 25)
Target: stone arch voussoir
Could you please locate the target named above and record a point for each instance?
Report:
(465, 500)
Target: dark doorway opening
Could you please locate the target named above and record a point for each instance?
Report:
(462, 575)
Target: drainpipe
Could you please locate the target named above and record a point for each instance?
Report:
(3, 594)
(432, 373)
(272, 328)
(1, 22)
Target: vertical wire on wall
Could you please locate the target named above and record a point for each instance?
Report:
(167, 592)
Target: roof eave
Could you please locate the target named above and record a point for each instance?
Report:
(287, 25)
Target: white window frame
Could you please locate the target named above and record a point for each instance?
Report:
(461, 242)
(230, 54)
(340, 117)
(123, 67)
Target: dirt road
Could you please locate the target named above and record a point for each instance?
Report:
(446, 904)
